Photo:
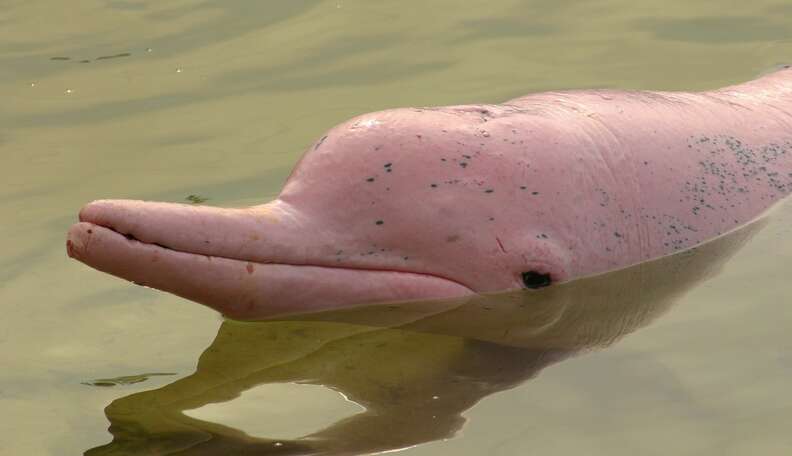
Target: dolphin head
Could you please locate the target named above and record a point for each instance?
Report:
(390, 206)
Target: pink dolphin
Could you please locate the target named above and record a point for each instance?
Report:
(447, 202)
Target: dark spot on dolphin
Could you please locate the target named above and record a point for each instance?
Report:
(318, 144)
(433, 185)
(370, 179)
(534, 193)
(467, 156)
(452, 238)
(90, 231)
(523, 187)
(379, 222)
(492, 219)
(617, 234)
(443, 159)
(388, 165)
(534, 279)
(489, 190)
(406, 258)
(463, 164)
(250, 268)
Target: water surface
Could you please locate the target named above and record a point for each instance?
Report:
(217, 100)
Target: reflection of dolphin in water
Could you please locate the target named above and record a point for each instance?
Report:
(439, 363)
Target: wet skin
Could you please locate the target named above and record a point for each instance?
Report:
(449, 202)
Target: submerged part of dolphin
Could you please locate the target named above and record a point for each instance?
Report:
(439, 363)
(454, 201)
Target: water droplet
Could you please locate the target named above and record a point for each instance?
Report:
(277, 444)
(69, 91)
(32, 84)
(178, 70)
(149, 49)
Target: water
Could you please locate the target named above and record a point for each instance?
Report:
(218, 100)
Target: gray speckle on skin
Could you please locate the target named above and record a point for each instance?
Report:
(319, 143)
(731, 174)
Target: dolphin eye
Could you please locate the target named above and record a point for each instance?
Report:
(533, 279)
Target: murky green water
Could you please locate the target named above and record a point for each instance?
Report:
(164, 100)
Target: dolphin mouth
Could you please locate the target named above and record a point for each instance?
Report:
(138, 250)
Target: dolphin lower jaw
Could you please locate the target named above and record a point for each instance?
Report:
(249, 290)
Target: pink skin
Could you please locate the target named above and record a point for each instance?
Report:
(447, 202)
